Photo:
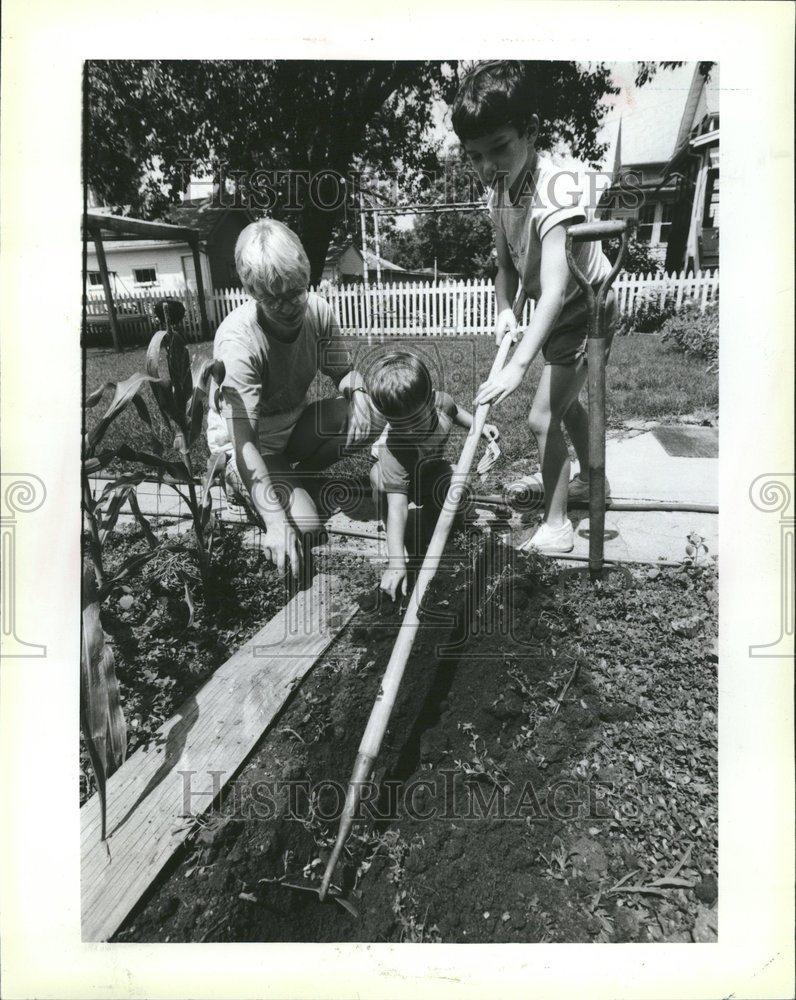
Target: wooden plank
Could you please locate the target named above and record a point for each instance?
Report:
(210, 736)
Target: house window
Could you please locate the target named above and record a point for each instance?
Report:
(666, 222)
(710, 219)
(145, 275)
(95, 279)
(646, 223)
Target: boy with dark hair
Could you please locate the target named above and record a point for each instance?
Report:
(531, 205)
(409, 461)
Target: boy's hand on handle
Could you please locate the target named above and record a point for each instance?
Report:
(393, 579)
(496, 388)
(506, 325)
(283, 548)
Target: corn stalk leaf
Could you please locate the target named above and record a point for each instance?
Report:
(216, 461)
(179, 364)
(96, 463)
(94, 397)
(189, 603)
(175, 469)
(126, 478)
(127, 569)
(143, 413)
(201, 376)
(161, 385)
(206, 520)
(125, 392)
(101, 717)
(111, 512)
(142, 522)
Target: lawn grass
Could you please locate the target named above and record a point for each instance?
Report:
(646, 379)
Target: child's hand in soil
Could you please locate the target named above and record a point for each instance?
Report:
(393, 581)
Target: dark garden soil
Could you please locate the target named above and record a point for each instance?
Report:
(549, 773)
(165, 648)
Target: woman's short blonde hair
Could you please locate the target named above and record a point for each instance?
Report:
(269, 258)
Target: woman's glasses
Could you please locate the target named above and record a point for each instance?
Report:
(292, 297)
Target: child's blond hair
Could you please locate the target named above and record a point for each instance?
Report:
(269, 258)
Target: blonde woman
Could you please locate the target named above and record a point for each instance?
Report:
(272, 348)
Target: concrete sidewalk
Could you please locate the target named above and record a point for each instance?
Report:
(669, 463)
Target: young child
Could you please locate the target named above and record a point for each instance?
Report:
(531, 204)
(409, 462)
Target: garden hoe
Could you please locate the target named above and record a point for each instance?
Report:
(385, 700)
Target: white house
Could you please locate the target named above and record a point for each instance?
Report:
(162, 265)
(666, 166)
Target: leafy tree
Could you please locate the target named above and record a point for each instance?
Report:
(151, 124)
(645, 71)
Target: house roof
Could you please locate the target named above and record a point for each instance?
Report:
(656, 118)
(202, 215)
(336, 252)
(127, 228)
(387, 265)
(712, 91)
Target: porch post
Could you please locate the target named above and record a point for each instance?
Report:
(200, 288)
(106, 284)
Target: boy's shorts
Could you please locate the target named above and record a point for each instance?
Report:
(567, 345)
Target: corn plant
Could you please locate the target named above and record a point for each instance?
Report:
(101, 718)
(180, 395)
(101, 515)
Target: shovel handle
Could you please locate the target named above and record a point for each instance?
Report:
(583, 232)
(393, 674)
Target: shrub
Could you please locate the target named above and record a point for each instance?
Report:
(694, 333)
(647, 317)
(638, 258)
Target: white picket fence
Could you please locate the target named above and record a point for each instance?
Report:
(135, 311)
(426, 309)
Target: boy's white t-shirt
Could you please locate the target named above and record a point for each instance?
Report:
(554, 195)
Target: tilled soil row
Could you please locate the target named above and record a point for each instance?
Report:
(499, 811)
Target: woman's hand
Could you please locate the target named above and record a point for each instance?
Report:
(495, 389)
(282, 546)
(360, 411)
(506, 325)
(393, 579)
